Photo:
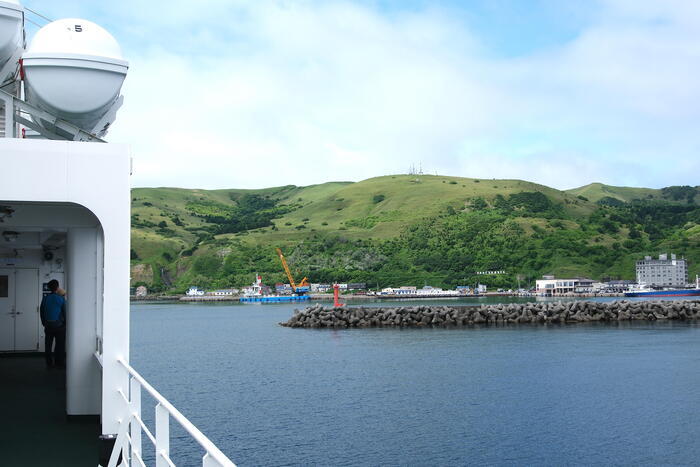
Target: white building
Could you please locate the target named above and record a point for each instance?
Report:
(663, 271)
(434, 291)
(194, 292)
(549, 286)
(321, 288)
(223, 292)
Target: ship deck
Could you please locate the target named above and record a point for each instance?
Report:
(35, 428)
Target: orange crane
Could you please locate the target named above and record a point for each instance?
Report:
(303, 286)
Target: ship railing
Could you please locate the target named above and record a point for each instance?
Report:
(128, 444)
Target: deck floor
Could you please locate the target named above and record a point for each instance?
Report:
(35, 430)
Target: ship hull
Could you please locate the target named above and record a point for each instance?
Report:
(421, 296)
(274, 299)
(665, 293)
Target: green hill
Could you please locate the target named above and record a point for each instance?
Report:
(597, 191)
(403, 229)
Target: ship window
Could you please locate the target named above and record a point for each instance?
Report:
(4, 286)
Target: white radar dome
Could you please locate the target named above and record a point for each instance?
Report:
(74, 69)
(11, 37)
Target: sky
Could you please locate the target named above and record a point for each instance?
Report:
(252, 94)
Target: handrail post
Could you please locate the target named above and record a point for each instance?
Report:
(209, 461)
(9, 111)
(135, 396)
(162, 436)
(132, 430)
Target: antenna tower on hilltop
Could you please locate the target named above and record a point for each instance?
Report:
(413, 171)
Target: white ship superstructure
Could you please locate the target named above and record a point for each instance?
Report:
(65, 215)
(256, 289)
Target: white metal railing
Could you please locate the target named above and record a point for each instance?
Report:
(128, 447)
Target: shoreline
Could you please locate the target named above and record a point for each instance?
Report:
(364, 297)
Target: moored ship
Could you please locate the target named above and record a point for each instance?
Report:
(259, 293)
(664, 293)
(645, 291)
(273, 298)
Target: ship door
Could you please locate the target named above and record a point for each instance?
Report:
(19, 310)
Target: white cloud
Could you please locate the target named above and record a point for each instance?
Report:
(304, 92)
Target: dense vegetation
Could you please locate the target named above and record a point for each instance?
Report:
(393, 231)
(250, 212)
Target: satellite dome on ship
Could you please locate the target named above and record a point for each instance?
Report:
(11, 37)
(74, 69)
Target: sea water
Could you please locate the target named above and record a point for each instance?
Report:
(593, 394)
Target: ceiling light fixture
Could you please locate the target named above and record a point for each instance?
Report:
(5, 213)
(10, 236)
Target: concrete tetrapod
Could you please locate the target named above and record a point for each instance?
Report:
(318, 316)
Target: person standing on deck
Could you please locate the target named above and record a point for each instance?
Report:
(53, 318)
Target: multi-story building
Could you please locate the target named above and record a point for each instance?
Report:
(662, 271)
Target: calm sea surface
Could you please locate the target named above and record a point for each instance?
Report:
(523, 395)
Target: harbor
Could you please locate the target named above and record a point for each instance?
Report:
(668, 278)
(322, 387)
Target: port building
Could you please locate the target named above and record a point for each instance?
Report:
(550, 286)
(664, 271)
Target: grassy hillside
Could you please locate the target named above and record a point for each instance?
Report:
(596, 192)
(374, 208)
(396, 228)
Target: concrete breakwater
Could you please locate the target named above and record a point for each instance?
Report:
(318, 316)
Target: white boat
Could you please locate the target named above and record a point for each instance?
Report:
(65, 215)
